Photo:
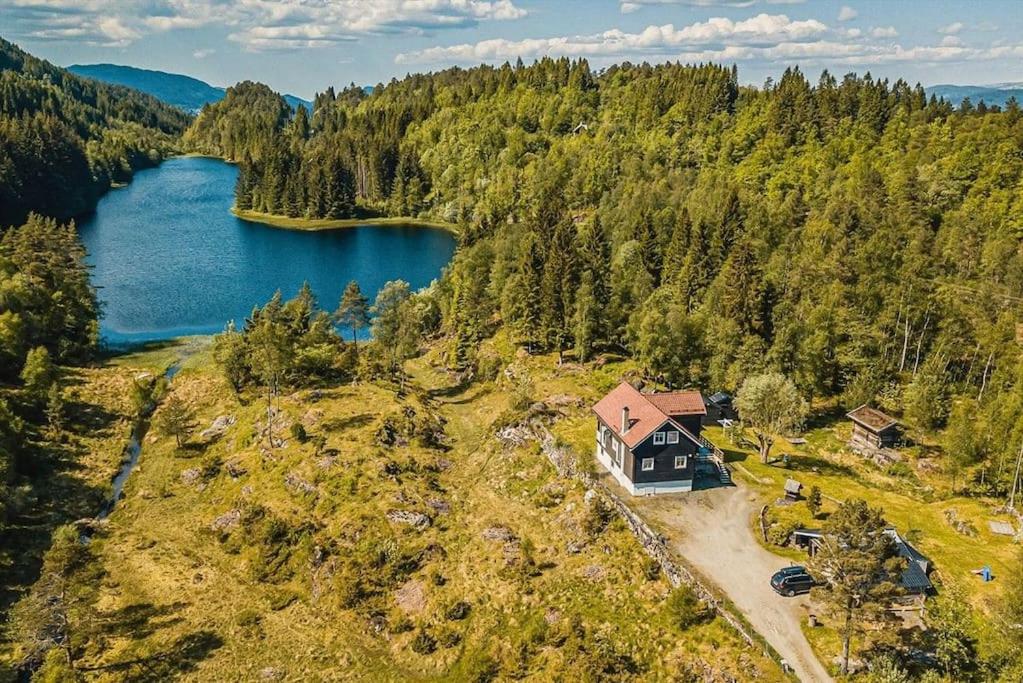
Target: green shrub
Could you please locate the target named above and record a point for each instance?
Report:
(685, 609)
(651, 569)
(423, 643)
(400, 623)
(779, 533)
(298, 432)
(449, 638)
(457, 611)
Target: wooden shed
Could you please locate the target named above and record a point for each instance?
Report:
(873, 428)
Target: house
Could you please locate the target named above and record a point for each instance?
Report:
(793, 489)
(915, 581)
(872, 429)
(719, 407)
(650, 442)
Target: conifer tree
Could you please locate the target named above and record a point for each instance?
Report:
(353, 311)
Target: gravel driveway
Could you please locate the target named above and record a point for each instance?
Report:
(711, 529)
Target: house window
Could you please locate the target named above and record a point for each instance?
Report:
(672, 437)
(648, 464)
(680, 462)
(658, 438)
(619, 447)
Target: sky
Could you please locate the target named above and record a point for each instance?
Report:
(303, 46)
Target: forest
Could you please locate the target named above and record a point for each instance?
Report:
(64, 140)
(851, 233)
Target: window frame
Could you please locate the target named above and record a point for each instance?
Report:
(643, 465)
(673, 437)
(684, 459)
(659, 438)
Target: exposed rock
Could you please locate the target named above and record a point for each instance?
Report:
(594, 572)
(234, 468)
(411, 597)
(416, 520)
(575, 547)
(326, 462)
(191, 476)
(228, 520)
(271, 674)
(312, 418)
(297, 484)
(218, 428)
(564, 401)
(552, 615)
(441, 507)
(498, 533)
(443, 464)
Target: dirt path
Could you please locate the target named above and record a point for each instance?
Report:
(711, 530)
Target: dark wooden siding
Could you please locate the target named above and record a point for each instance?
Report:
(664, 460)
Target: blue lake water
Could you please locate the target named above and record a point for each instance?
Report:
(169, 258)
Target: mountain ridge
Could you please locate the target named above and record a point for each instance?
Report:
(180, 90)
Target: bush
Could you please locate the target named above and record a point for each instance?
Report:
(423, 643)
(686, 609)
(298, 432)
(457, 611)
(400, 623)
(780, 532)
(450, 639)
(598, 515)
(651, 569)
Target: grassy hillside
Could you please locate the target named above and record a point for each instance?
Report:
(398, 539)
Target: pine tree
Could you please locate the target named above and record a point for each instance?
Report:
(353, 311)
(175, 419)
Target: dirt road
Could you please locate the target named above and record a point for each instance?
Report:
(711, 530)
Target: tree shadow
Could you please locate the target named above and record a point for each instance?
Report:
(140, 620)
(350, 422)
(180, 657)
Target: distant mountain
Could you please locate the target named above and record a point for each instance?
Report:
(183, 92)
(998, 93)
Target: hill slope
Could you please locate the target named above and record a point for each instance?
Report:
(998, 94)
(65, 139)
(183, 92)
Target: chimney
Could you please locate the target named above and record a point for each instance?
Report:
(625, 419)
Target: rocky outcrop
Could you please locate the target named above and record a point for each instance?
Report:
(217, 428)
(416, 520)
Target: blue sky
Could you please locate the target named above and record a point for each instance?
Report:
(301, 46)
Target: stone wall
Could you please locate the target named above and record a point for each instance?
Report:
(567, 464)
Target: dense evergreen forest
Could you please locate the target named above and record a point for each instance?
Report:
(853, 234)
(65, 139)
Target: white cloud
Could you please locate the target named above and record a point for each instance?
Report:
(763, 29)
(847, 13)
(951, 41)
(952, 29)
(256, 24)
(761, 39)
(629, 6)
(203, 53)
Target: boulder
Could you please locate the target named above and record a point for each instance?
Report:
(217, 428)
(417, 520)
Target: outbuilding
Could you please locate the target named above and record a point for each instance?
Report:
(873, 429)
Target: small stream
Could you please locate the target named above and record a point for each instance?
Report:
(132, 452)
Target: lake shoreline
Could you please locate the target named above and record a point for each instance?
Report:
(319, 224)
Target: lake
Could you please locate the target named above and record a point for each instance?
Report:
(170, 259)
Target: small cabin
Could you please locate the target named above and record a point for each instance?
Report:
(719, 407)
(873, 429)
(793, 489)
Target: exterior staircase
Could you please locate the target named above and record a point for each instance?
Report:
(711, 454)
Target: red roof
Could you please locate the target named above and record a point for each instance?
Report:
(679, 402)
(647, 412)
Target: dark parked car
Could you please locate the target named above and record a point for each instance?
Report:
(792, 581)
